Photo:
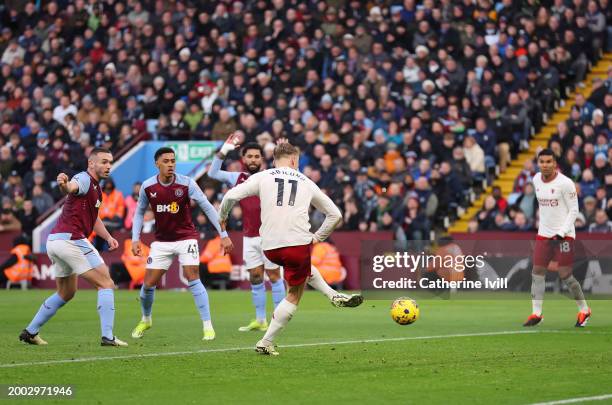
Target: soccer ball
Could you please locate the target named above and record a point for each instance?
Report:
(404, 311)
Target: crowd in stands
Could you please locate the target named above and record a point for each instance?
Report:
(400, 107)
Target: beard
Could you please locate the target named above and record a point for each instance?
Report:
(252, 169)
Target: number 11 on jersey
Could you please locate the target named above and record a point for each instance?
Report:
(281, 191)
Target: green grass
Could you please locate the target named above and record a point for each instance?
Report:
(555, 362)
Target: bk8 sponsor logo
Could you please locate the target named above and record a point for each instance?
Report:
(172, 208)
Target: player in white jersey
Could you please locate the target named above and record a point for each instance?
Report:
(252, 253)
(286, 196)
(558, 203)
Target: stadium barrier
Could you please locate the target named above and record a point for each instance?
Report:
(349, 245)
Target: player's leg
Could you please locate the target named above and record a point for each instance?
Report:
(258, 294)
(584, 312)
(542, 254)
(158, 262)
(281, 317)
(565, 258)
(99, 277)
(253, 259)
(200, 297)
(66, 288)
(538, 286)
(189, 258)
(146, 297)
(274, 275)
(66, 281)
(278, 284)
(85, 261)
(337, 299)
(296, 263)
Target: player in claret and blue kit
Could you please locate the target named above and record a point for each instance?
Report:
(558, 202)
(73, 255)
(169, 194)
(254, 259)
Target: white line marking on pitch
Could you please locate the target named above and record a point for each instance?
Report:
(575, 400)
(231, 349)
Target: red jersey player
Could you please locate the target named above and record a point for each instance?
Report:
(169, 194)
(252, 254)
(73, 255)
(286, 196)
(558, 204)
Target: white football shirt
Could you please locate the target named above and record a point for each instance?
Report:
(558, 205)
(285, 195)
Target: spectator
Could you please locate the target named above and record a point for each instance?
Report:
(224, 127)
(112, 209)
(527, 202)
(515, 117)
(474, 155)
(589, 210)
(525, 176)
(27, 217)
(486, 216)
(589, 184)
(501, 202)
(461, 168)
(413, 220)
(63, 109)
(602, 224)
(131, 202)
(8, 221)
(41, 200)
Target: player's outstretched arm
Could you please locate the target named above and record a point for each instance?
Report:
(570, 196)
(241, 191)
(333, 216)
(138, 220)
(196, 194)
(101, 231)
(215, 172)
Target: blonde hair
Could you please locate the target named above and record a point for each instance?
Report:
(285, 150)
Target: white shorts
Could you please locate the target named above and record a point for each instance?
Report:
(253, 255)
(162, 254)
(72, 256)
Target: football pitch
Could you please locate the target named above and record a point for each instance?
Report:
(472, 352)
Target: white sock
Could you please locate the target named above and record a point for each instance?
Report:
(317, 282)
(574, 287)
(207, 325)
(282, 315)
(146, 318)
(538, 286)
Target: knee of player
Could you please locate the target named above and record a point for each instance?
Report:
(106, 284)
(66, 295)
(191, 272)
(273, 275)
(256, 277)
